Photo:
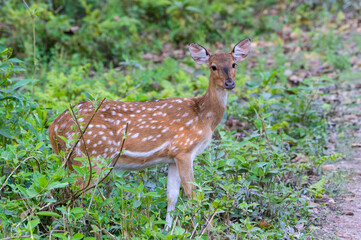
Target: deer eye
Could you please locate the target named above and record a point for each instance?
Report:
(234, 65)
(214, 68)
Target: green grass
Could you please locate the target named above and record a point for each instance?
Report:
(248, 174)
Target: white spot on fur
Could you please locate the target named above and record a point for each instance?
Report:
(135, 135)
(165, 130)
(189, 122)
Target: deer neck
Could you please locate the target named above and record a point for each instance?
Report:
(213, 105)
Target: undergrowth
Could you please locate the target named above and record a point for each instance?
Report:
(255, 181)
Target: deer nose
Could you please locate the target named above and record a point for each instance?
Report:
(229, 84)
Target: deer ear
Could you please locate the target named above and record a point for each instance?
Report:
(199, 53)
(241, 50)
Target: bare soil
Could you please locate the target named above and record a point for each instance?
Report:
(341, 216)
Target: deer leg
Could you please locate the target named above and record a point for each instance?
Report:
(173, 185)
(185, 169)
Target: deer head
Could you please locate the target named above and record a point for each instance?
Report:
(222, 65)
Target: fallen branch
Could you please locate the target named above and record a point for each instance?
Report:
(356, 145)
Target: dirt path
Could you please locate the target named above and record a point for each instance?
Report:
(343, 213)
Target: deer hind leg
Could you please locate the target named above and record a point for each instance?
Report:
(173, 185)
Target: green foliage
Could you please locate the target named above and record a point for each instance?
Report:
(317, 189)
(93, 49)
(14, 105)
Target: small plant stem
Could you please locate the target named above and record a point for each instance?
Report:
(208, 222)
(86, 149)
(34, 41)
(108, 233)
(86, 127)
(263, 127)
(111, 169)
(16, 168)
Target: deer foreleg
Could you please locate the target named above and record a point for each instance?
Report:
(185, 169)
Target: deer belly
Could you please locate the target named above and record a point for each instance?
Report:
(137, 165)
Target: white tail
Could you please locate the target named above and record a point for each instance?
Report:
(172, 131)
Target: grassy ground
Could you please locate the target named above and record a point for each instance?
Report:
(262, 173)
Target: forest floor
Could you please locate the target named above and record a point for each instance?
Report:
(341, 216)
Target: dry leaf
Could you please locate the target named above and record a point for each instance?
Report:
(301, 159)
(348, 213)
(264, 224)
(328, 167)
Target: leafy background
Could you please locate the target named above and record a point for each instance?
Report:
(258, 179)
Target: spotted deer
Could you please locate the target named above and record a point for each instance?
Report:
(172, 131)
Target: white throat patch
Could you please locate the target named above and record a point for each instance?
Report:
(222, 95)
